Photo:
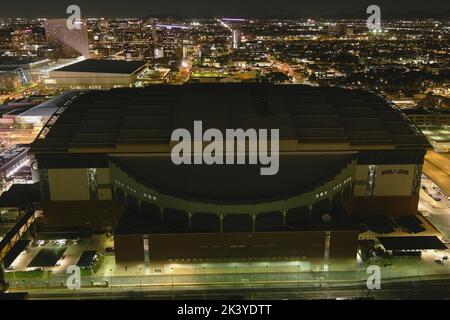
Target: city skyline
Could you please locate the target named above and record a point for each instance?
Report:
(292, 156)
(246, 9)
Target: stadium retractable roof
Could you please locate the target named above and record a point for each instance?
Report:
(312, 117)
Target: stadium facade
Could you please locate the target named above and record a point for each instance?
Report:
(104, 161)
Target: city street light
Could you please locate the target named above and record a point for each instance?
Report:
(110, 278)
(204, 276)
(418, 267)
(235, 276)
(140, 276)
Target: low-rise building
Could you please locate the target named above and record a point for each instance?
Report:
(97, 74)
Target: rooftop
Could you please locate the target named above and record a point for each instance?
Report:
(412, 243)
(105, 66)
(313, 118)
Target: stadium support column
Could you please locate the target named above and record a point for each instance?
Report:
(190, 220)
(326, 256)
(284, 213)
(254, 222)
(310, 212)
(221, 217)
(146, 253)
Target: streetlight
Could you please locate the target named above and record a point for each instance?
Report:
(204, 275)
(328, 271)
(298, 276)
(172, 277)
(235, 276)
(140, 276)
(418, 267)
(110, 278)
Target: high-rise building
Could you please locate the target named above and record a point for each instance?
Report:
(236, 38)
(71, 42)
(188, 46)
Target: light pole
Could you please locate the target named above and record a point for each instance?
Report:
(328, 272)
(418, 267)
(172, 277)
(110, 278)
(140, 276)
(235, 276)
(298, 276)
(204, 276)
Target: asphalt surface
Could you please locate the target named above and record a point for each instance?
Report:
(416, 289)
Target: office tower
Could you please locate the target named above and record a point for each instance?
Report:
(71, 43)
(236, 38)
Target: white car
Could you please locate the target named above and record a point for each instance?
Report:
(35, 269)
(40, 243)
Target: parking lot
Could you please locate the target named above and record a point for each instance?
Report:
(57, 255)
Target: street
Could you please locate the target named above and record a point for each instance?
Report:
(420, 288)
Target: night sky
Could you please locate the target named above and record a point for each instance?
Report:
(200, 8)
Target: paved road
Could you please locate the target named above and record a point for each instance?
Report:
(437, 212)
(416, 289)
(410, 270)
(437, 167)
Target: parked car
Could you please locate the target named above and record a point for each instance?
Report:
(40, 243)
(35, 269)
